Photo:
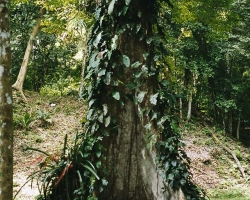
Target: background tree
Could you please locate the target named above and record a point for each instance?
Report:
(55, 53)
(6, 120)
(23, 71)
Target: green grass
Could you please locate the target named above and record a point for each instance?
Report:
(232, 193)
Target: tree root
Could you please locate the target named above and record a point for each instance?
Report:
(21, 92)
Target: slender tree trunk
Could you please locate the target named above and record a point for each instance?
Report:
(190, 98)
(181, 117)
(83, 72)
(230, 121)
(6, 118)
(238, 129)
(18, 85)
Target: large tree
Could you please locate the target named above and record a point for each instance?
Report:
(6, 122)
(129, 106)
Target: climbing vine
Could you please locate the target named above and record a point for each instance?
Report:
(113, 18)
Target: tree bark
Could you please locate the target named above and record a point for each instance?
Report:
(133, 173)
(18, 85)
(6, 118)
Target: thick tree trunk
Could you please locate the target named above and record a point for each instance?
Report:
(6, 118)
(133, 173)
(18, 85)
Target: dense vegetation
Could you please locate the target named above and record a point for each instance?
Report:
(196, 61)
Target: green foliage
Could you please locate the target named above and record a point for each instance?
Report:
(44, 118)
(26, 120)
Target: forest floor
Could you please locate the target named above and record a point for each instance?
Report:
(43, 121)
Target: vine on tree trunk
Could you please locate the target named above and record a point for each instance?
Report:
(113, 19)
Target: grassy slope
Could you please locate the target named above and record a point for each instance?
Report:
(213, 169)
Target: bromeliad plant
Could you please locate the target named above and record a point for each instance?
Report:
(71, 175)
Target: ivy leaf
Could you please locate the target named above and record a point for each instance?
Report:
(149, 40)
(91, 102)
(95, 63)
(145, 55)
(182, 181)
(116, 95)
(100, 118)
(104, 182)
(90, 112)
(166, 165)
(107, 78)
(93, 56)
(139, 14)
(113, 44)
(153, 98)
(102, 72)
(107, 121)
(127, 2)
(148, 127)
(109, 54)
(126, 60)
(98, 154)
(156, 57)
(124, 11)
(97, 40)
(131, 85)
(174, 163)
(144, 70)
(154, 116)
(105, 109)
(136, 64)
(138, 27)
(94, 127)
(138, 74)
(141, 96)
(171, 176)
(111, 7)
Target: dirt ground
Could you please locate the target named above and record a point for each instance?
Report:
(64, 115)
